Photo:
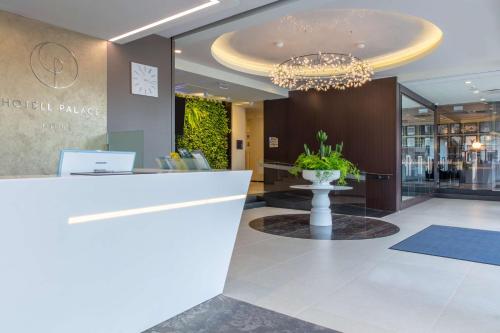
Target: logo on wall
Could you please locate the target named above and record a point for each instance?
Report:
(54, 65)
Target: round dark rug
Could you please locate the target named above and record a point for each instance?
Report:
(344, 227)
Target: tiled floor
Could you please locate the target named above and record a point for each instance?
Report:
(223, 314)
(362, 286)
(344, 227)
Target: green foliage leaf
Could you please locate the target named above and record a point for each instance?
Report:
(325, 159)
(206, 127)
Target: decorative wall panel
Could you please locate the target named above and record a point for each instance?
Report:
(365, 119)
(53, 94)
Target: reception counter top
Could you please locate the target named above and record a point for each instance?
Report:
(135, 172)
(116, 253)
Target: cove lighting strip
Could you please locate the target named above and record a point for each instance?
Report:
(167, 19)
(151, 209)
(428, 40)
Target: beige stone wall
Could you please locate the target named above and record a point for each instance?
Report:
(255, 141)
(52, 95)
(238, 132)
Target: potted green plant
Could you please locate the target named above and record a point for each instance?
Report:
(324, 166)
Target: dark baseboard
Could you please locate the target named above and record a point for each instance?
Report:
(415, 201)
(445, 195)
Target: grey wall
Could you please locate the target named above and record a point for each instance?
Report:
(127, 112)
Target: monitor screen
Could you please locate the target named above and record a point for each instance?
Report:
(87, 161)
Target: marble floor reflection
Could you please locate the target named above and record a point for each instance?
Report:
(362, 285)
(343, 227)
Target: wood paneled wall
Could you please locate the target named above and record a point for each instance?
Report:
(366, 119)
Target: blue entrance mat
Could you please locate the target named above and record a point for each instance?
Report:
(475, 245)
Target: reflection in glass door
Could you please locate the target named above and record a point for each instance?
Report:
(417, 151)
(468, 136)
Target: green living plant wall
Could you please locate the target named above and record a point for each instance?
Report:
(206, 127)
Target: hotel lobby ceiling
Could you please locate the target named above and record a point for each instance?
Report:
(370, 35)
(470, 41)
(110, 18)
(199, 85)
(475, 88)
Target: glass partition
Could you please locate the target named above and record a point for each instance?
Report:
(417, 149)
(128, 141)
(350, 202)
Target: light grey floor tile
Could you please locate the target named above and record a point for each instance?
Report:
(363, 286)
(475, 307)
(339, 323)
(395, 296)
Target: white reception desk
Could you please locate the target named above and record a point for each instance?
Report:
(116, 253)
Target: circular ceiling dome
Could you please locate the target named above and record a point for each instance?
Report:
(390, 39)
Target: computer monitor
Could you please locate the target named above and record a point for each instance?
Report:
(200, 160)
(95, 161)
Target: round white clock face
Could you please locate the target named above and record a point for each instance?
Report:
(144, 80)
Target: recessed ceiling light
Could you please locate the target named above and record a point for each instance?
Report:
(468, 82)
(476, 91)
(360, 45)
(166, 19)
(483, 99)
(223, 86)
(177, 51)
(279, 44)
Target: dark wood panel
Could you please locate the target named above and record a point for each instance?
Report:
(365, 119)
(180, 112)
(275, 125)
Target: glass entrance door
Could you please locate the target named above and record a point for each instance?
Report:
(417, 151)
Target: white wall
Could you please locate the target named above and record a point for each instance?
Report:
(238, 132)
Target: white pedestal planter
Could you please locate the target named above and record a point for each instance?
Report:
(321, 214)
(321, 177)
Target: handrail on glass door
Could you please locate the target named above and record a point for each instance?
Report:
(495, 176)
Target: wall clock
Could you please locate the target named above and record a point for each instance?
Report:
(144, 80)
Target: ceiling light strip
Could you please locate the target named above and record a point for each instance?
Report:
(167, 19)
(151, 209)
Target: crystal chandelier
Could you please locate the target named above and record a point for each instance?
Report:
(322, 71)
